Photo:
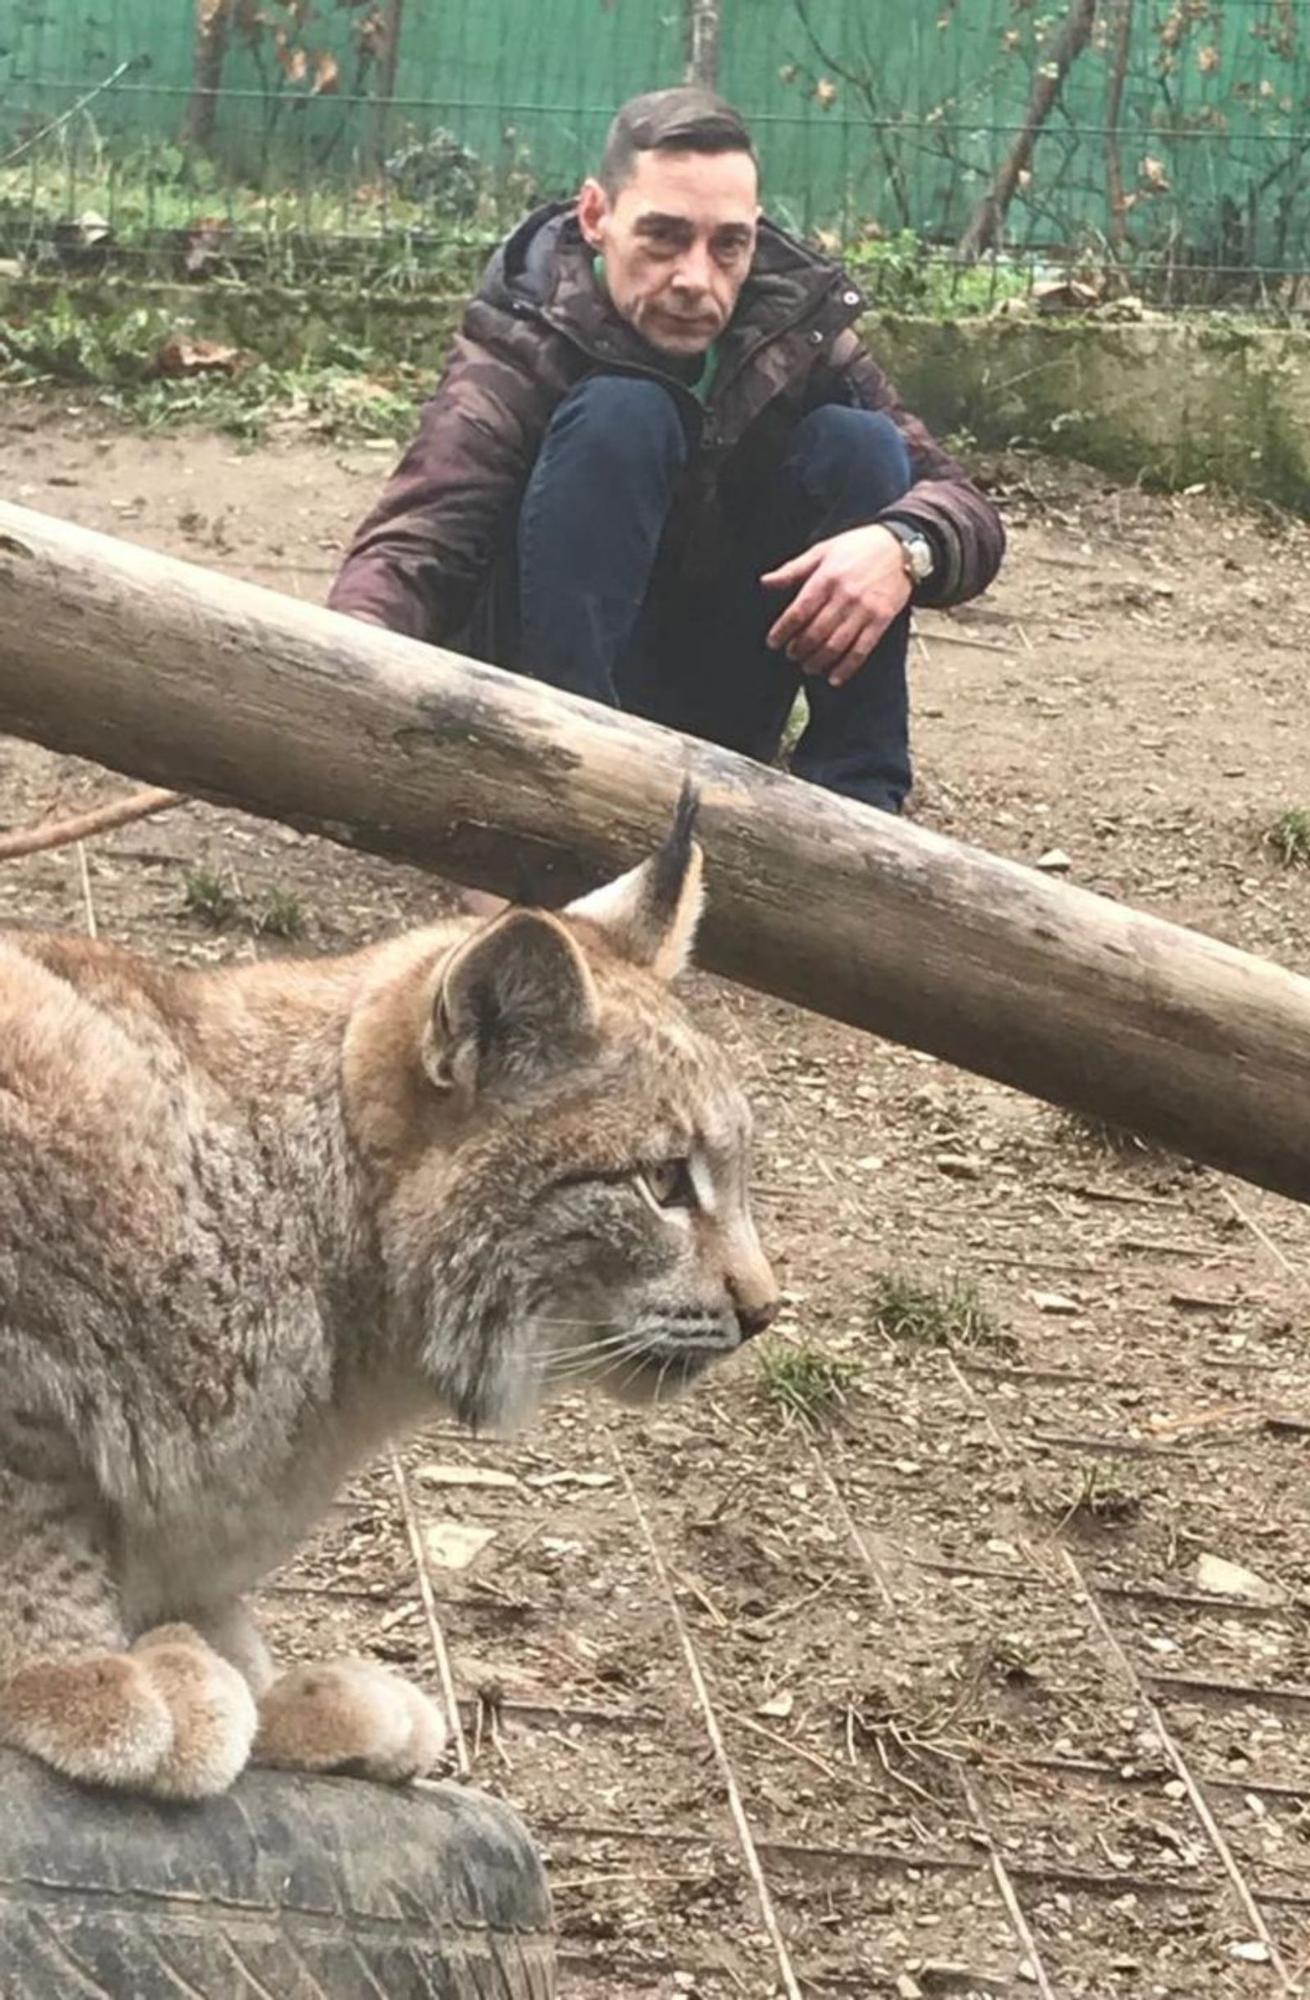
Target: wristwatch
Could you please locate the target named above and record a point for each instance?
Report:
(917, 551)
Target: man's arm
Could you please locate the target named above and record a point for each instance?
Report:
(416, 562)
(965, 530)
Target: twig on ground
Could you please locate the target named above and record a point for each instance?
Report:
(435, 1632)
(701, 1690)
(1261, 1235)
(86, 825)
(88, 900)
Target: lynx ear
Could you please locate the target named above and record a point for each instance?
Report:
(515, 1001)
(650, 914)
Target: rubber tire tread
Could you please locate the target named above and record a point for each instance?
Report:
(286, 1888)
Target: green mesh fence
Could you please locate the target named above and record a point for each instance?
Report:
(311, 132)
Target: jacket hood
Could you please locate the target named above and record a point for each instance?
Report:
(547, 256)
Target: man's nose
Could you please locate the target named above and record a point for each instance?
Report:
(693, 272)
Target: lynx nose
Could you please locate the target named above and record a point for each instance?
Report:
(754, 1319)
(752, 1286)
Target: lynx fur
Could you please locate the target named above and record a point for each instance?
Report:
(255, 1222)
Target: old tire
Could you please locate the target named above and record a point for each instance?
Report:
(288, 1888)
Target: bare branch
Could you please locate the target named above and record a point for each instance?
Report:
(1114, 97)
(1048, 82)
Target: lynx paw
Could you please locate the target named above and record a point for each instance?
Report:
(213, 1713)
(349, 1717)
(169, 1719)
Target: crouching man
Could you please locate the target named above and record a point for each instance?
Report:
(662, 470)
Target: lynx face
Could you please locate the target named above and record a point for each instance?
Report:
(584, 1212)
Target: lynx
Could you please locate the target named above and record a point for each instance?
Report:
(254, 1222)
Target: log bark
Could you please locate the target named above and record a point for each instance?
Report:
(235, 694)
(1048, 82)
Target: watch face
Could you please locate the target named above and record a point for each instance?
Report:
(919, 552)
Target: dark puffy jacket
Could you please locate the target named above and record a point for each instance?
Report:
(539, 323)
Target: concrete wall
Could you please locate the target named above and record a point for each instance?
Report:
(1171, 402)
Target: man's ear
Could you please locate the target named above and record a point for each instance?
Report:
(593, 207)
(515, 1002)
(650, 914)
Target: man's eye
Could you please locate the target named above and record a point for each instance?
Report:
(668, 1185)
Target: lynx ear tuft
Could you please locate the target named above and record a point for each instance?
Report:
(650, 914)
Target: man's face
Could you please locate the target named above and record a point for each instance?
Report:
(677, 243)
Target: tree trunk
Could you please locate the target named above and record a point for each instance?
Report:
(213, 27)
(385, 86)
(1120, 52)
(702, 40)
(1048, 82)
(238, 695)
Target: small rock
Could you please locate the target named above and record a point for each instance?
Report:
(464, 1475)
(960, 1166)
(435, 1475)
(780, 1706)
(1055, 861)
(1256, 1952)
(907, 1988)
(1054, 1302)
(454, 1544)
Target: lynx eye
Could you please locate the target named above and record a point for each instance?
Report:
(669, 1184)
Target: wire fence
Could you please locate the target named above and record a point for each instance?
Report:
(391, 142)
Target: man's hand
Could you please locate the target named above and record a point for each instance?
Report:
(852, 587)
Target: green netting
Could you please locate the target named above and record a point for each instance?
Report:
(874, 116)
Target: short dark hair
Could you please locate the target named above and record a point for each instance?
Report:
(685, 119)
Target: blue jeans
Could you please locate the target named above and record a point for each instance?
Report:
(570, 601)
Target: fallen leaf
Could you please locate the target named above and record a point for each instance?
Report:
(454, 1544)
(180, 355)
(465, 1475)
(1229, 1579)
(780, 1706)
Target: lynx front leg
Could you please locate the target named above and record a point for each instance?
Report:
(350, 1717)
(167, 1717)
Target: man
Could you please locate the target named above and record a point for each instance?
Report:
(662, 471)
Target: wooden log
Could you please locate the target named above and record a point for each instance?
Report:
(235, 694)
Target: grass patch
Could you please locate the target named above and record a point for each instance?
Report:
(1289, 837)
(950, 1314)
(805, 1384)
(281, 914)
(206, 896)
(1101, 1496)
(904, 273)
(344, 394)
(1099, 1135)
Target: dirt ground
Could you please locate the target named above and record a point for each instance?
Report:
(998, 1724)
